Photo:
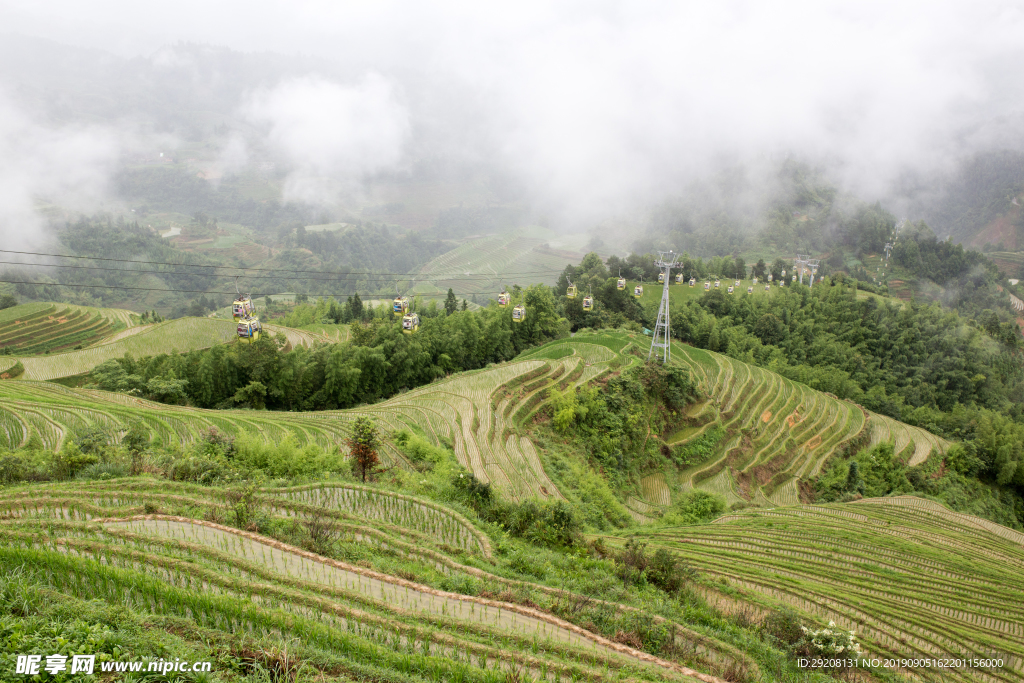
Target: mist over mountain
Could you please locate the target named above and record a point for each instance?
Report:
(587, 117)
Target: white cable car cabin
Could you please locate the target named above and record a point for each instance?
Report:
(242, 308)
(400, 305)
(504, 298)
(249, 329)
(750, 290)
(570, 291)
(638, 291)
(737, 284)
(410, 323)
(518, 313)
(730, 290)
(755, 280)
(707, 286)
(693, 281)
(588, 303)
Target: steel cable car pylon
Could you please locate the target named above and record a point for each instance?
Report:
(662, 330)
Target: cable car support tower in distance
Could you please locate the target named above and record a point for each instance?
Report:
(666, 261)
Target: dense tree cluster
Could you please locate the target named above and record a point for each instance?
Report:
(379, 361)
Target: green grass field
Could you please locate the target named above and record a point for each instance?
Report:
(41, 328)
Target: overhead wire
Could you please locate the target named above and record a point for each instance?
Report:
(366, 295)
(479, 276)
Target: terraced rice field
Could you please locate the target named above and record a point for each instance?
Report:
(91, 543)
(477, 411)
(910, 577)
(37, 328)
(517, 256)
(183, 334)
(779, 431)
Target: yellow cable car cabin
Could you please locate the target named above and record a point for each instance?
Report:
(638, 291)
(504, 298)
(767, 286)
(737, 284)
(718, 283)
(679, 279)
(661, 278)
(707, 286)
(730, 290)
(621, 284)
(588, 303)
(518, 313)
(755, 280)
(410, 323)
(570, 292)
(693, 281)
(750, 290)
(242, 308)
(400, 305)
(249, 329)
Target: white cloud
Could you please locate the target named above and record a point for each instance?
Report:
(69, 165)
(331, 131)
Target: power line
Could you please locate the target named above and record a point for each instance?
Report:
(201, 291)
(377, 277)
(259, 270)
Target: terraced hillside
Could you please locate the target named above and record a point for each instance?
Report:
(776, 432)
(913, 579)
(519, 256)
(182, 334)
(38, 328)
(93, 541)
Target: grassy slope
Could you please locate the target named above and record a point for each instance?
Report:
(912, 578)
(777, 431)
(522, 256)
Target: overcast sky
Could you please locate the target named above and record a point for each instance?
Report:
(589, 104)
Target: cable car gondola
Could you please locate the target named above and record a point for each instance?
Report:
(588, 302)
(400, 305)
(410, 323)
(730, 290)
(570, 291)
(737, 284)
(518, 313)
(504, 298)
(750, 290)
(242, 308)
(249, 328)
(661, 278)
(638, 291)
(718, 283)
(755, 280)
(693, 281)
(707, 286)
(679, 279)
(767, 286)
(621, 282)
